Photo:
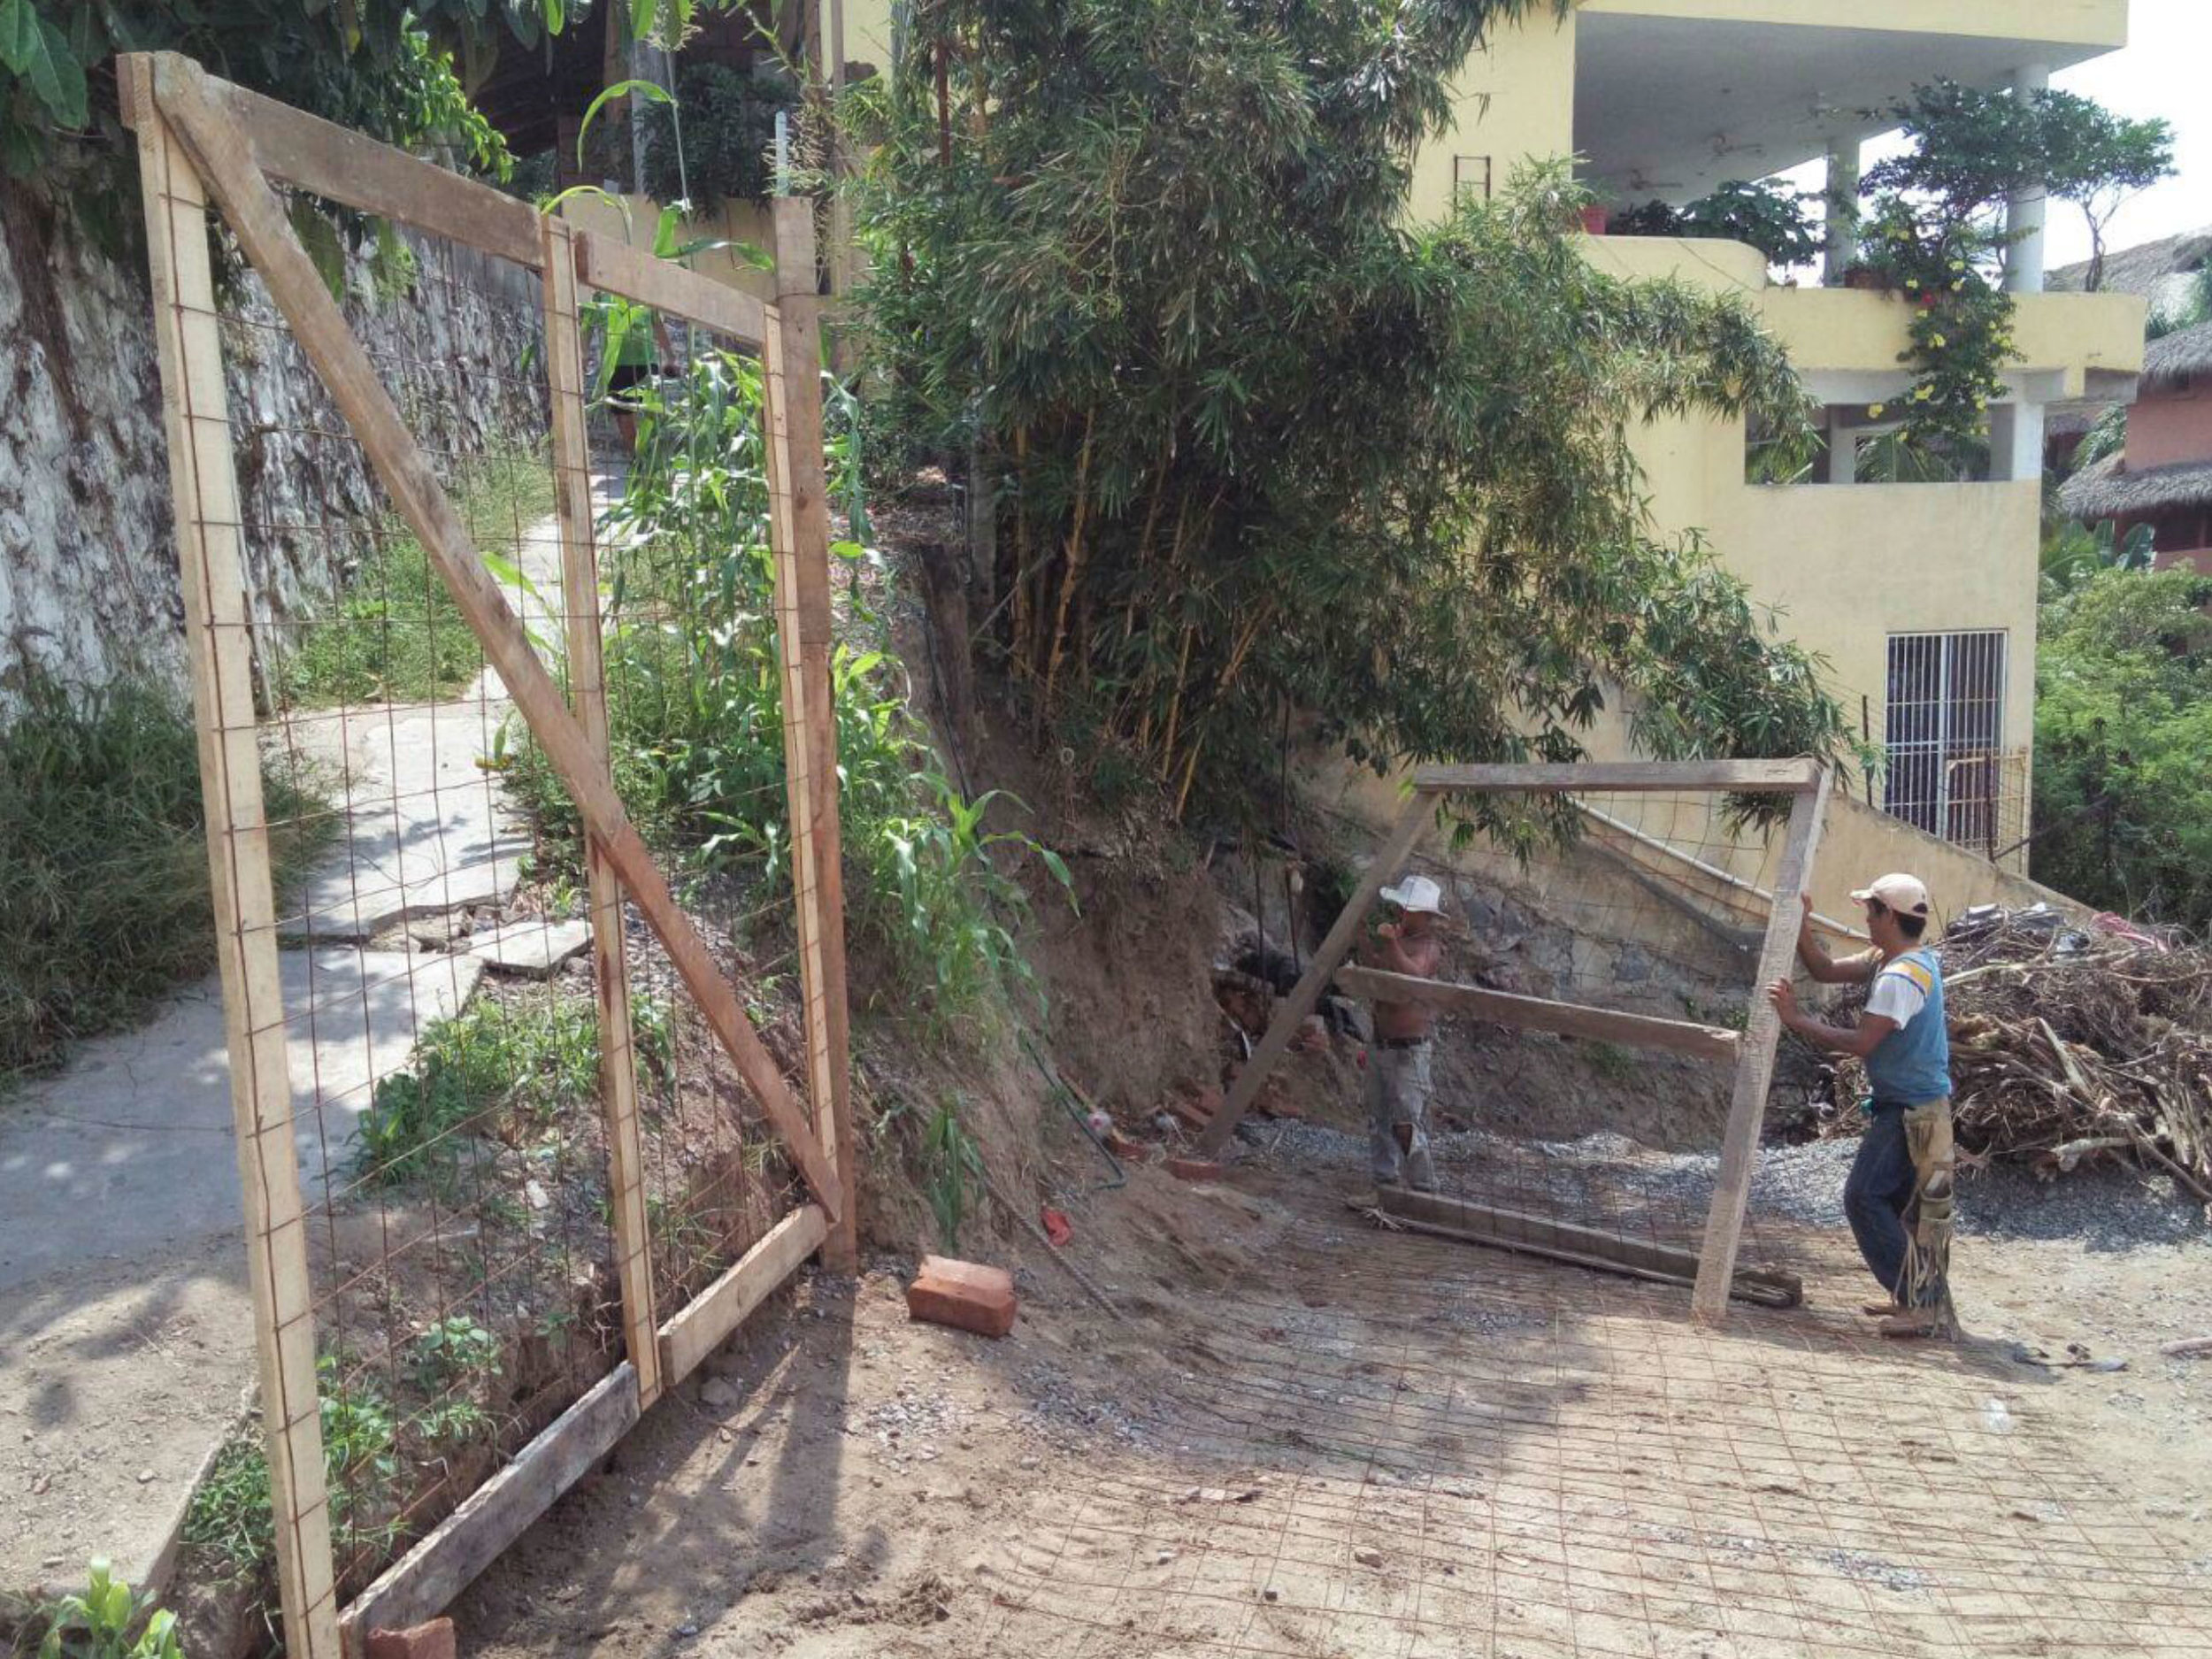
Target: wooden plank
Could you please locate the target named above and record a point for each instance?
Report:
(423, 1582)
(347, 166)
(799, 533)
(587, 693)
(1625, 776)
(604, 263)
(1537, 1013)
(1413, 820)
(1610, 1252)
(254, 214)
(1755, 1061)
(204, 492)
(707, 1320)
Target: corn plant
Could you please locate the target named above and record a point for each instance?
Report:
(952, 1171)
(98, 1623)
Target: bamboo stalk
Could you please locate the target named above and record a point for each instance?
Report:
(1074, 574)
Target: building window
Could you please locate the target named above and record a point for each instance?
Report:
(1470, 178)
(1946, 734)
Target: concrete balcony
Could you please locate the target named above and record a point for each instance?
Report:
(1846, 343)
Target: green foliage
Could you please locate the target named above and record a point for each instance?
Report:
(2191, 308)
(2072, 553)
(521, 1060)
(457, 1349)
(393, 631)
(2108, 434)
(229, 1515)
(1255, 442)
(695, 705)
(96, 1623)
(952, 1172)
(378, 67)
(1943, 265)
(1766, 214)
(1935, 226)
(716, 144)
(103, 880)
(2124, 745)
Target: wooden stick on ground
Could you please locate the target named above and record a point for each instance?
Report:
(1052, 1249)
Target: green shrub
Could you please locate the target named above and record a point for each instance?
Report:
(695, 702)
(2124, 745)
(392, 632)
(728, 130)
(103, 879)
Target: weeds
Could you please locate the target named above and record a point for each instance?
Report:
(230, 1515)
(456, 1349)
(1611, 1061)
(103, 870)
(952, 1171)
(393, 631)
(522, 1060)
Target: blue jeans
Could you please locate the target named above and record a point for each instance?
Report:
(1878, 1194)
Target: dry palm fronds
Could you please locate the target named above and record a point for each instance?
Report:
(2068, 1047)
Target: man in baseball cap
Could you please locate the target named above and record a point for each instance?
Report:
(1898, 1198)
(1398, 1071)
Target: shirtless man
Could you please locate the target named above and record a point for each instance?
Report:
(1398, 1061)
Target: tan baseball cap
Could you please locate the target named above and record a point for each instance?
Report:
(1906, 895)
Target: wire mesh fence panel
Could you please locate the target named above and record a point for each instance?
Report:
(1585, 1111)
(518, 822)
(1568, 1053)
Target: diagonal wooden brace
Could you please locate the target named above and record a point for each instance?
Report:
(225, 159)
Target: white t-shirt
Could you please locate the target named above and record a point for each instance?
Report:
(1896, 996)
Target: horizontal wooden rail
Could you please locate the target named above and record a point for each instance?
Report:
(423, 1583)
(1791, 777)
(1538, 1013)
(723, 1305)
(618, 268)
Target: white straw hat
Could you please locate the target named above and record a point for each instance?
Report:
(1416, 894)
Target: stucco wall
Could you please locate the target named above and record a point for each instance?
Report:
(88, 586)
(2165, 427)
(1514, 101)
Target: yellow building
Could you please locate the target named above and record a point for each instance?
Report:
(1921, 596)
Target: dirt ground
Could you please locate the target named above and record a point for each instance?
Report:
(1313, 1438)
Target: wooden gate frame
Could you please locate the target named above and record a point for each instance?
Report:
(202, 139)
(1752, 1049)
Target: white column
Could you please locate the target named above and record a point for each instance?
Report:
(2015, 441)
(1842, 213)
(1842, 464)
(2025, 209)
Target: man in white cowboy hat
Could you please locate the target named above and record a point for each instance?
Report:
(1898, 1197)
(1407, 942)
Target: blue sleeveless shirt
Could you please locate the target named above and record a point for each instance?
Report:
(1913, 1063)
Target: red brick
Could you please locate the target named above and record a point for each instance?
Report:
(1194, 1170)
(434, 1640)
(966, 1296)
(1131, 1151)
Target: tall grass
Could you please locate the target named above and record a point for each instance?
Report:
(104, 872)
(392, 632)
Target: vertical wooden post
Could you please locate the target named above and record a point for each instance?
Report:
(1754, 1060)
(799, 532)
(203, 490)
(1404, 836)
(588, 695)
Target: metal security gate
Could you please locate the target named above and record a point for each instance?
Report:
(441, 1303)
(1945, 719)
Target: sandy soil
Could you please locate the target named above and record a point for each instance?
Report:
(1313, 1438)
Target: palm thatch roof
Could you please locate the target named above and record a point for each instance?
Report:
(2170, 359)
(2107, 489)
(2149, 270)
